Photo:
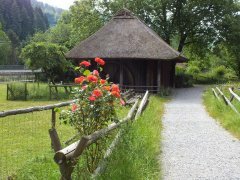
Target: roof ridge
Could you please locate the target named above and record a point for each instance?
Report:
(123, 13)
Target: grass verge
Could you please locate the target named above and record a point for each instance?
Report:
(222, 113)
(25, 151)
(137, 154)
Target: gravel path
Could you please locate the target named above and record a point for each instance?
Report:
(194, 145)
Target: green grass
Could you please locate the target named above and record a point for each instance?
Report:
(25, 151)
(137, 155)
(36, 91)
(222, 113)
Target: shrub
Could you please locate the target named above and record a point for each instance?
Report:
(219, 72)
(182, 79)
(17, 91)
(93, 109)
(193, 70)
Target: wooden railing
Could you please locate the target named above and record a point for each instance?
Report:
(217, 92)
(68, 157)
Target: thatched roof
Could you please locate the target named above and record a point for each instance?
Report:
(125, 37)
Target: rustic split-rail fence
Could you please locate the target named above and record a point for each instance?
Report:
(221, 97)
(68, 157)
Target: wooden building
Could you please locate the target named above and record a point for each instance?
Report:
(135, 55)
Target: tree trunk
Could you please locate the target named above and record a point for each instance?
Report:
(182, 43)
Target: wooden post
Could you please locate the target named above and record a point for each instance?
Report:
(55, 142)
(53, 119)
(159, 76)
(7, 90)
(25, 88)
(215, 94)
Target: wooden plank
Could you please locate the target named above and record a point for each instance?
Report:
(215, 94)
(55, 140)
(7, 91)
(25, 91)
(132, 110)
(33, 109)
(223, 97)
(107, 154)
(53, 118)
(142, 105)
(71, 139)
(234, 94)
(227, 101)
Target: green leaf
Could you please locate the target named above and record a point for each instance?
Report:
(101, 69)
(77, 68)
(57, 110)
(86, 72)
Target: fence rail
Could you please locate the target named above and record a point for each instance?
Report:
(68, 157)
(64, 156)
(217, 92)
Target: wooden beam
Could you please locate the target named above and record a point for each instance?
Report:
(132, 110)
(215, 94)
(234, 94)
(142, 105)
(56, 144)
(33, 109)
(227, 101)
(67, 153)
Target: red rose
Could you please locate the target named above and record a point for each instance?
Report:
(92, 98)
(79, 80)
(97, 93)
(115, 88)
(102, 81)
(116, 94)
(95, 73)
(85, 63)
(92, 78)
(99, 61)
(74, 107)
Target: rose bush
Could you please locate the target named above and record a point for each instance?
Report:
(94, 106)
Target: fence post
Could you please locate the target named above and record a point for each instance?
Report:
(53, 119)
(7, 91)
(50, 92)
(55, 142)
(25, 88)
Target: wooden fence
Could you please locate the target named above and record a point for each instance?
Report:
(221, 97)
(68, 157)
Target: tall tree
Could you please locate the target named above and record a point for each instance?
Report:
(191, 21)
(5, 47)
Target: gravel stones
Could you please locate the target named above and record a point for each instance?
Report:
(194, 145)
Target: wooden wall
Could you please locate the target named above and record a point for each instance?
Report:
(133, 72)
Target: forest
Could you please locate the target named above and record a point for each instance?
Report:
(20, 20)
(206, 32)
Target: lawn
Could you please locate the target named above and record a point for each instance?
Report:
(25, 144)
(223, 113)
(26, 152)
(137, 156)
(24, 138)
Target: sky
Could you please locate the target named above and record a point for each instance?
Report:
(64, 4)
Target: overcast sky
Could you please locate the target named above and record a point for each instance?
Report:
(64, 4)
